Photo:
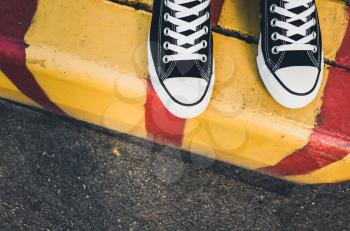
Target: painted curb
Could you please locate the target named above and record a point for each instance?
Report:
(87, 60)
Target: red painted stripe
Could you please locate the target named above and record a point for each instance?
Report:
(161, 125)
(323, 149)
(216, 7)
(330, 141)
(343, 56)
(15, 19)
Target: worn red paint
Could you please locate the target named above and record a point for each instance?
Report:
(323, 149)
(15, 19)
(161, 125)
(343, 55)
(216, 7)
(330, 141)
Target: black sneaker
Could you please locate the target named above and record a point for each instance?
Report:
(290, 56)
(180, 55)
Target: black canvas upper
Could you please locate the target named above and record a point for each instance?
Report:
(287, 58)
(190, 68)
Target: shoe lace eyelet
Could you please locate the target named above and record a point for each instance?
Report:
(274, 36)
(314, 21)
(204, 58)
(166, 31)
(314, 34)
(166, 16)
(207, 14)
(204, 44)
(165, 59)
(275, 50)
(273, 8)
(206, 30)
(166, 45)
(274, 22)
(315, 49)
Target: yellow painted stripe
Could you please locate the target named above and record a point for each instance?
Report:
(10, 91)
(86, 56)
(336, 172)
(243, 124)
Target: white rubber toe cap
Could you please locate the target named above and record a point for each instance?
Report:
(186, 90)
(299, 79)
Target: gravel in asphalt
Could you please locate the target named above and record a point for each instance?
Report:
(60, 174)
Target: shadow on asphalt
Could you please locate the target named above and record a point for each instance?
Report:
(60, 174)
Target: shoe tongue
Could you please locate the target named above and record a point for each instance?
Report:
(297, 23)
(191, 5)
(296, 58)
(190, 19)
(186, 69)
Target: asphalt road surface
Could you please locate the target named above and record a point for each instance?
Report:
(60, 174)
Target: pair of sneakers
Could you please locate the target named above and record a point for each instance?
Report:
(180, 53)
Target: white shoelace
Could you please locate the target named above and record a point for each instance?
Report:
(303, 30)
(181, 52)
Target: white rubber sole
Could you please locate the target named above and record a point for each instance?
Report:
(181, 111)
(280, 94)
